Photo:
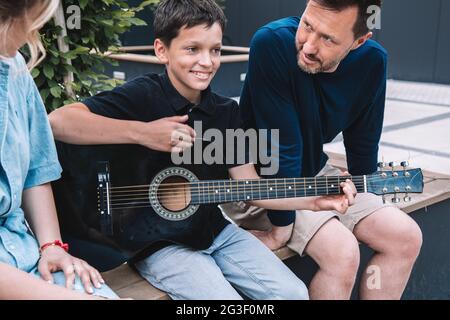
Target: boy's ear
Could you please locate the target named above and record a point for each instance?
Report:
(161, 51)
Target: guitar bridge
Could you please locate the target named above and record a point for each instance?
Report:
(104, 199)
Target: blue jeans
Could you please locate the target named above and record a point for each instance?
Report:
(236, 259)
(60, 280)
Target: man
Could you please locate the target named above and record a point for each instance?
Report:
(313, 78)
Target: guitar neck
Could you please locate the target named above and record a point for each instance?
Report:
(222, 191)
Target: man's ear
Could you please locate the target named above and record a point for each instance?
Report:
(359, 42)
(161, 51)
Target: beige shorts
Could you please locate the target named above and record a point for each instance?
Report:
(307, 223)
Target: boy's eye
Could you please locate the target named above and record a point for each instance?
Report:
(191, 49)
(217, 51)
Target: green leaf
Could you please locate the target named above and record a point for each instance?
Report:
(48, 71)
(83, 3)
(35, 73)
(56, 91)
(70, 68)
(107, 22)
(138, 22)
(44, 94)
(57, 103)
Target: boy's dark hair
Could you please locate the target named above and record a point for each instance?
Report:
(172, 15)
(360, 28)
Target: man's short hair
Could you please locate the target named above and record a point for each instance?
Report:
(172, 15)
(361, 27)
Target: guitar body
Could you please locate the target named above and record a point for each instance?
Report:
(134, 230)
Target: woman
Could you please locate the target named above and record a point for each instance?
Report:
(28, 163)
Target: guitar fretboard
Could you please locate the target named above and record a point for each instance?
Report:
(222, 191)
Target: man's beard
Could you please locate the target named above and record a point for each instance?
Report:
(323, 67)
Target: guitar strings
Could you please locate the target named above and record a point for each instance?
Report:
(277, 181)
(132, 198)
(227, 190)
(181, 198)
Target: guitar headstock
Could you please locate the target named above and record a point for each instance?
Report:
(390, 180)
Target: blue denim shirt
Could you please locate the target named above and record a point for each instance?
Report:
(27, 159)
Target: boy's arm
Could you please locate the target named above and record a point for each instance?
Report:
(76, 124)
(339, 203)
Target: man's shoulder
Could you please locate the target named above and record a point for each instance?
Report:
(283, 29)
(284, 23)
(373, 49)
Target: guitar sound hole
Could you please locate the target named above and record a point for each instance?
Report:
(173, 194)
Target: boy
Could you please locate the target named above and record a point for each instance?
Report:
(153, 111)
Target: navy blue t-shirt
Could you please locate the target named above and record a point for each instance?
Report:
(310, 110)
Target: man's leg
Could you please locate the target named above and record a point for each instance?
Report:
(253, 269)
(396, 239)
(335, 249)
(186, 274)
(330, 244)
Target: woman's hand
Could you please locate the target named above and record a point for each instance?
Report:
(55, 258)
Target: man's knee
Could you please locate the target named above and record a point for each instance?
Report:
(336, 250)
(409, 240)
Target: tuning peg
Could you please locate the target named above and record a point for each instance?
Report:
(381, 165)
(405, 164)
(393, 164)
(384, 199)
(407, 198)
(395, 200)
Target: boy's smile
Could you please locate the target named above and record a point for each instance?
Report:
(192, 59)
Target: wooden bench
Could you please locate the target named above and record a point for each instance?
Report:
(127, 283)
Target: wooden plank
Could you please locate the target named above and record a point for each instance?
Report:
(434, 192)
(121, 277)
(150, 48)
(285, 253)
(142, 290)
(150, 59)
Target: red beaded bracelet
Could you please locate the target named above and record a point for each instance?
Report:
(58, 243)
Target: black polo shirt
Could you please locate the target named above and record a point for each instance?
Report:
(152, 97)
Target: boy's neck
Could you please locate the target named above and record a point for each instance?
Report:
(193, 96)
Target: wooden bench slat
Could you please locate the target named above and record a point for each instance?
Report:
(121, 277)
(141, 290)
(434, 192)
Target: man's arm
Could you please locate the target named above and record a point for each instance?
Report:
(267, 98)
(362, 138)
(339, 203)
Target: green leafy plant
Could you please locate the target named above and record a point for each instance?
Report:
(102, 23)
